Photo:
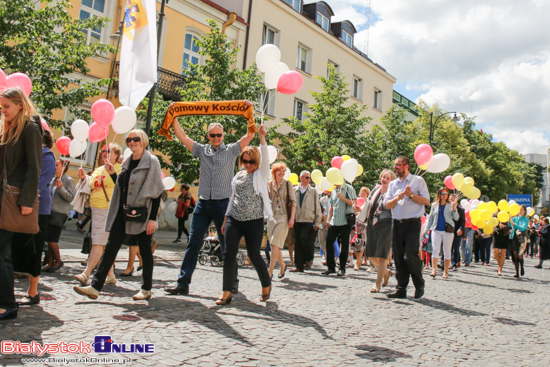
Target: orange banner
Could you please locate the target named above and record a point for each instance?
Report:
(177, 109)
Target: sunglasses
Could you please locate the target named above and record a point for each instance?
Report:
(105, 151)
(215, 135)
(245, 161)
(307, 178)
(136, 139)
(444, 193)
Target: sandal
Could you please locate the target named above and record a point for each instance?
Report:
(445, 276)
(374, 290)
(265, 297)
(224, 301)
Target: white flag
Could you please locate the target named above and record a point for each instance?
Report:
(138, 54)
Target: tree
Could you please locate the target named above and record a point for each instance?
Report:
(330, 128)
(49, 46)
(217, 80)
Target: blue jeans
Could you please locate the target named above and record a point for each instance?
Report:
(486, 249)
(7, 297)
(205, 212)
(457, 242)
(467, 246)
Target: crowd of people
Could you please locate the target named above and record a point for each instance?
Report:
(387, 228)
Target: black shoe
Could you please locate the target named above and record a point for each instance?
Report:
(176, 290)
(8, 314)
(28, 300)
(131, 273)
(235, 289)
(440, 266)
(341, 272)
(179, 240)
(281, 276)
(419, 292)
(522, 271)
(397, 294)
(139, 268)
(538, 266)
(328, 272)
(54, 269)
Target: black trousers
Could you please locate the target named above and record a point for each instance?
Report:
(406, 237)
(304, 244)
(181, 227)
(342, 233)
(116, 238)
(253, 232)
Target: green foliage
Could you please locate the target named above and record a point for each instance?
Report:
(330, 128)
(217, 80)
(50, 47)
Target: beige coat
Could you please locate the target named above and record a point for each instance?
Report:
(279, 197)
(310, 211)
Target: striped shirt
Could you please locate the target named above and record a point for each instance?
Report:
(339, 208)
(217, 169)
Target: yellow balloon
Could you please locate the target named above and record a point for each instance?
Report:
(475, 193)
(493, 207)
(482, 206)
(424, 166)
(503, 216)
(514, 209)
(481, 223)
(346, 157)
(503, 205)
(466, 188)
(485, 215)
(488, 228)
(530, 211)
(469, 180)
(293, 179)
(334, 176)
(458, 180)
(359, 170)
(316, 176)
(474, 215)
(495, 221)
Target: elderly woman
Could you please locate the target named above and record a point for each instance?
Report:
(378, 220)
(442, 223)
(102, 186)
(63, 192)
(248, 205)
(21, 154)
(132, 212)
(283, 205)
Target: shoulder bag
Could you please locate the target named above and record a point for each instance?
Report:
(350, 217)
(11, 218)
(57, 219)
(131, 214)
(288, 201)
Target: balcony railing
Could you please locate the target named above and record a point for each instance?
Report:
(167, 83)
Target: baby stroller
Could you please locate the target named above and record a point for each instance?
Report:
(211, 250)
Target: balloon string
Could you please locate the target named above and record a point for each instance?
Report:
(262, 103)
(109, 147)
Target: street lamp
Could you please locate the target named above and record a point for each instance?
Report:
(454, 119)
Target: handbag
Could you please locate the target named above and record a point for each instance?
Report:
(11, 218)
(288, 202)
(57, 219)
(350, 217)
(449, 228)
(87, 243)
(135, 214)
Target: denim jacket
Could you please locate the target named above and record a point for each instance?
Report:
(449, 214)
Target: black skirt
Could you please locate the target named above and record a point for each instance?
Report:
(27, 249)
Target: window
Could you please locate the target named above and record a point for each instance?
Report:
(190, 51)
(295, 4)
(268, 100)
(269, 35)
(378, 99)
(357, 88)
(90, 9)
(300, 109)
(303, 61)
(336, 68)
(322, 21)
(347, 38)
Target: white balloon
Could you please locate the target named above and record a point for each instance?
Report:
(536, 216)
(76, 148)
(349, 169)
(318, 190)
(287, 173)
(169, 183)
(127, 153)
(173, 207)
(267, 57)
(463, 202)
(125, 119)
(467, 206)
(325, 184)
(272, 153)
(272, 76)
(79, 130)
(439, 163)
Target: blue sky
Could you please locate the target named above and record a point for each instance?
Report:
(486, 58)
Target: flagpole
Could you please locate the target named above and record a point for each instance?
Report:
(154, 88)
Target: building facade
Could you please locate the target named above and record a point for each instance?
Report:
(542, 158)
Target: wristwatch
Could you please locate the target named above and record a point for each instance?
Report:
(412, 196)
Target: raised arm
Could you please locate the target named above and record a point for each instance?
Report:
(182, 136)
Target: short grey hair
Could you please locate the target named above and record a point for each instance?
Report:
(142, 135)
(215, 124)
(304, 172)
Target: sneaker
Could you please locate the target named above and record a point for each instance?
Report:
(82, 278)
(110, 280)
(88, 291)
(141, 295)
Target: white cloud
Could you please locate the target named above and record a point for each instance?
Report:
(488, 59)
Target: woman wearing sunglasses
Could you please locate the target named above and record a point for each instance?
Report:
(133, 212)
(248, 205)
(441, 223)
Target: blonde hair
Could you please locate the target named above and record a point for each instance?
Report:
(254, 154)
(13, 132)
(275, 167)
(384, 171)
(142, 135)
(114, 148)
(364, 189)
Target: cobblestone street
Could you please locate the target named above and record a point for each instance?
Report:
(474, 318)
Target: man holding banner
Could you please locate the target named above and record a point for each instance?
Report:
(217, 168)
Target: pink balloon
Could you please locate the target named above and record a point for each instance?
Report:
(449, 183)
(360, 201)
(97, 133)
(19, 80)
(62, 145)
(103, 112)
(290, 82)
(337, 162)
(422, 220)
(3, 78)
(163, 175)
(422, 154)
(473, 227)
(44, 124)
